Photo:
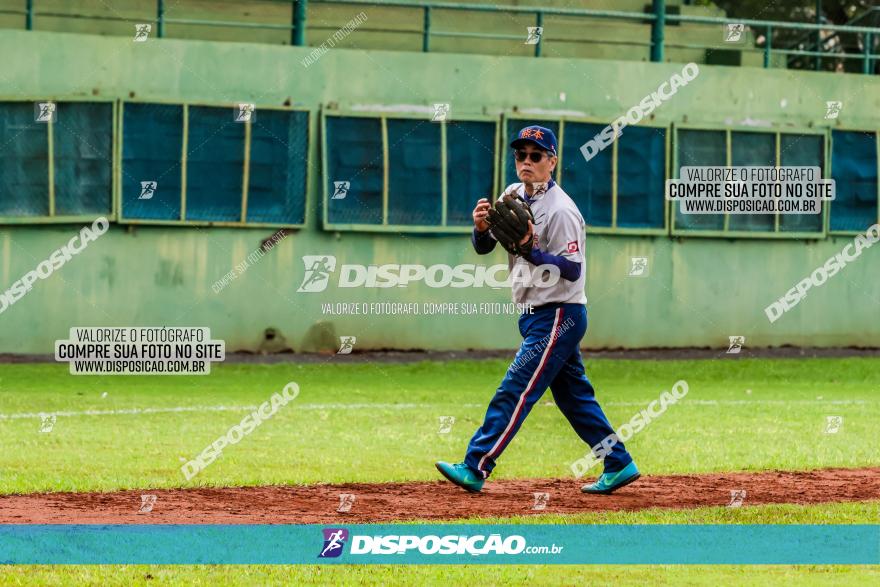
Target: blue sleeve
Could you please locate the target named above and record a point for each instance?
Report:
(568, 269)
(483, 242)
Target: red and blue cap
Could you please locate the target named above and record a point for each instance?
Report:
(539, 135)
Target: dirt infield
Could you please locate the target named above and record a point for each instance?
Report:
(439, 500)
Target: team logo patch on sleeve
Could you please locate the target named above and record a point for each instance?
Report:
(573, 247)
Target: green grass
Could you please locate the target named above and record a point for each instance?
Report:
(506, 575)
(617, 575)
(344, 426)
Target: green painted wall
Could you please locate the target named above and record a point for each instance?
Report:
(698, 293)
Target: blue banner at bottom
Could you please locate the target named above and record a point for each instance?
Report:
(440, 544)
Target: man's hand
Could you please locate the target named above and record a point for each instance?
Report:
(480, 213)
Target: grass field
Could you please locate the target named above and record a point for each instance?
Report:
(379, 422)
(821, 576)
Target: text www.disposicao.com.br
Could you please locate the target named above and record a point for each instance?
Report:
(811, 206)
(139, 366)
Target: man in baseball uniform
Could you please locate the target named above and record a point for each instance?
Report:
(549, 355)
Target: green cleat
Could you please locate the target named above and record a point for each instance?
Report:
(461, 475)
(610, 482)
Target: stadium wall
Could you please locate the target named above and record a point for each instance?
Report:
(699, 291)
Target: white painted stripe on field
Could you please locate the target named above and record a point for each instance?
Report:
(422, 406)
(750, 402)
(130, 411)
(136, 411)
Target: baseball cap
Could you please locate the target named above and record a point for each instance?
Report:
(543, 137)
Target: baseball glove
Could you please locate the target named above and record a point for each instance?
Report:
(509, 222)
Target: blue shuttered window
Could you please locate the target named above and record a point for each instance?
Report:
(700, 148)
(415, 185)
(354, 170)
(641, 173)
(470, 158)
(752, 149)
(802, 151)
(152, 143)
(854, 169)
(278, 167)
(636, 200)
(79, 145)
(361, 192)
(221, 157)
(24, 164)
(589, 183)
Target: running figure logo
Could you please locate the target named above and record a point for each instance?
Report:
(734, 32)
(638, 266)
(346, 345)
(441, 111)
(148, 188)
(737, 496)
(340, 190)
(534, 36)
(833, 424)
(246, 113)
(47, 422)
(346, 500)
(446, 423)
(832, 109)
(736, 344)
(541, 501)
(318, 270)
(539, 187)
(334, 542)
(44, 112)
(147, 503)
(142, 32)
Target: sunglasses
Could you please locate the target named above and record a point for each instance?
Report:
(534, 156)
